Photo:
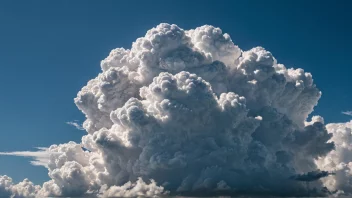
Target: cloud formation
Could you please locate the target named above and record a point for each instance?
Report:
(76, 125)
(349, 113)
(187, 112)
(311, 176)
(24, 189)
(340, 159)
(40, 157)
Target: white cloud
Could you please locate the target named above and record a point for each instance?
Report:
(347, 113)
(340, 159)
(40, 157)
(24, 189)
(76, 125)
(192, 114)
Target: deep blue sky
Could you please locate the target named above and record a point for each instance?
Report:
(50, 49)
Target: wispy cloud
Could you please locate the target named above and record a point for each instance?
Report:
(347, 113)
(76, 125)
(40, 157)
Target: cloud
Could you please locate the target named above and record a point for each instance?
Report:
(138, 189)
(76, 125)
(347, 113)
(340, 159)
(24, 189)
(187, 112)
(40, 157)
(311, 176)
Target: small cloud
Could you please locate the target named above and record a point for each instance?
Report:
(40, 157)
(349, 113)
(76, 125)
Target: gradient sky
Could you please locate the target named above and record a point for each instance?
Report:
(50, 49)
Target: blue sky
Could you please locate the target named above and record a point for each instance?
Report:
(49, 50)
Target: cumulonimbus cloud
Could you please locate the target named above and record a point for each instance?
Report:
(187, 112)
